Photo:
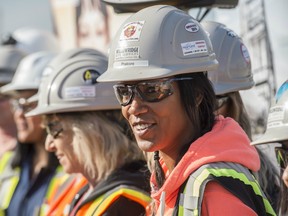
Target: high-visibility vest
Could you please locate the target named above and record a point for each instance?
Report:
(9, 179)
(101, 204)
(233, 177)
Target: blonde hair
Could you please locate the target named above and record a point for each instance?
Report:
(99, 141)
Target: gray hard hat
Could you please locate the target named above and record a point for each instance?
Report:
(61, 58)
(277, 124)
(72, 87)
(234, 72)
(29, 72)
(10, 58)
(159, 41)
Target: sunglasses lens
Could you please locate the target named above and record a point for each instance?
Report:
(123, 94)
(155, 91)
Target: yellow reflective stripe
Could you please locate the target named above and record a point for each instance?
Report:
(234, 174)
(94, 205)
(135, 195)
(57, 180)
(4, 160)
(10, 189)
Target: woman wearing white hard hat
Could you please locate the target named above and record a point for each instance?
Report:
(159, 58)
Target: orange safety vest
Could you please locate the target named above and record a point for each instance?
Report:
(60, 204)
(102, 203)
(9, 179)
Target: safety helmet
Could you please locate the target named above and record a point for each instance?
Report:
(234, 71)
(10, 57)
(277, 124)
(61, 58)
(29, 72)
(72, 87)
(159, 41)
(35, 40)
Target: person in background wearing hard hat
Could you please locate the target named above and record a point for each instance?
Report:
(277, 132)
(10, 57)
(159, 59)
(87, 133)
(30, 40)
(234, 74)
(30, 173)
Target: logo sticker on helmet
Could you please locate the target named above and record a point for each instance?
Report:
(276, 117)
(123, 64)
(79, 92)
(131, 31)
(283, 88)
(90, 76)
(245, 53)
(127, 53)
(194, 47)
(192, 27)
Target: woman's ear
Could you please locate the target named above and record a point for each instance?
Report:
(199, 99)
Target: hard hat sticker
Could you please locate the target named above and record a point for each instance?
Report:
(283, 88)
(276, 117)
(123, 64)
(192, 27)
(131, 31)
(194, 47)
(245, 53)
(127, 53)
(79, 92)
(90, 76)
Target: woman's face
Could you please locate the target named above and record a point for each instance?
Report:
(162, 125)
(60, 141)
(29, 129)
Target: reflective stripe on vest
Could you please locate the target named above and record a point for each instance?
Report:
(58, 179)
(8, 181)
(100, 205)
(191, 199)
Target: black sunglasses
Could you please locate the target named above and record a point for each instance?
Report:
(54, 129)
(149, 91)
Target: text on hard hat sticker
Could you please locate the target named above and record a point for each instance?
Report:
(192, 27)
(123, 64)
(79, 92)
(276, 116)
(194, 47)
(127, 53)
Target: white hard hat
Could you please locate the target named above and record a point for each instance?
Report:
(234, 71)
(156, 42)
(35, 40)
(72, 87)
(277, 124)
(29, 72)
(61, 58)
(10, 58)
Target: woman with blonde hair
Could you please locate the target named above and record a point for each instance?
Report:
(88, 136)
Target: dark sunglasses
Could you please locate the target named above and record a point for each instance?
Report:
(221, 100)
(282, 156)
(54, 129)
(23, 104)
(149, 91)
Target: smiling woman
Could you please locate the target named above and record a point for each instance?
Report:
(87, 133)
(169, 103)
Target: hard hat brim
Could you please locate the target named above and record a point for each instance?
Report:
(273, 135)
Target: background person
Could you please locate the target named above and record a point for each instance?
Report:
(276, 132)
(234, 74)
(29, 173)
(10, 57)
(169, 103)
(86, 133)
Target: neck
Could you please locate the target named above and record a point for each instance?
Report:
(41, 158)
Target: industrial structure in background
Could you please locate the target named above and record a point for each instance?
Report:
(255, 34)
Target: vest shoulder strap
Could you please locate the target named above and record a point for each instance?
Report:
(100, 205)
(233, 177)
